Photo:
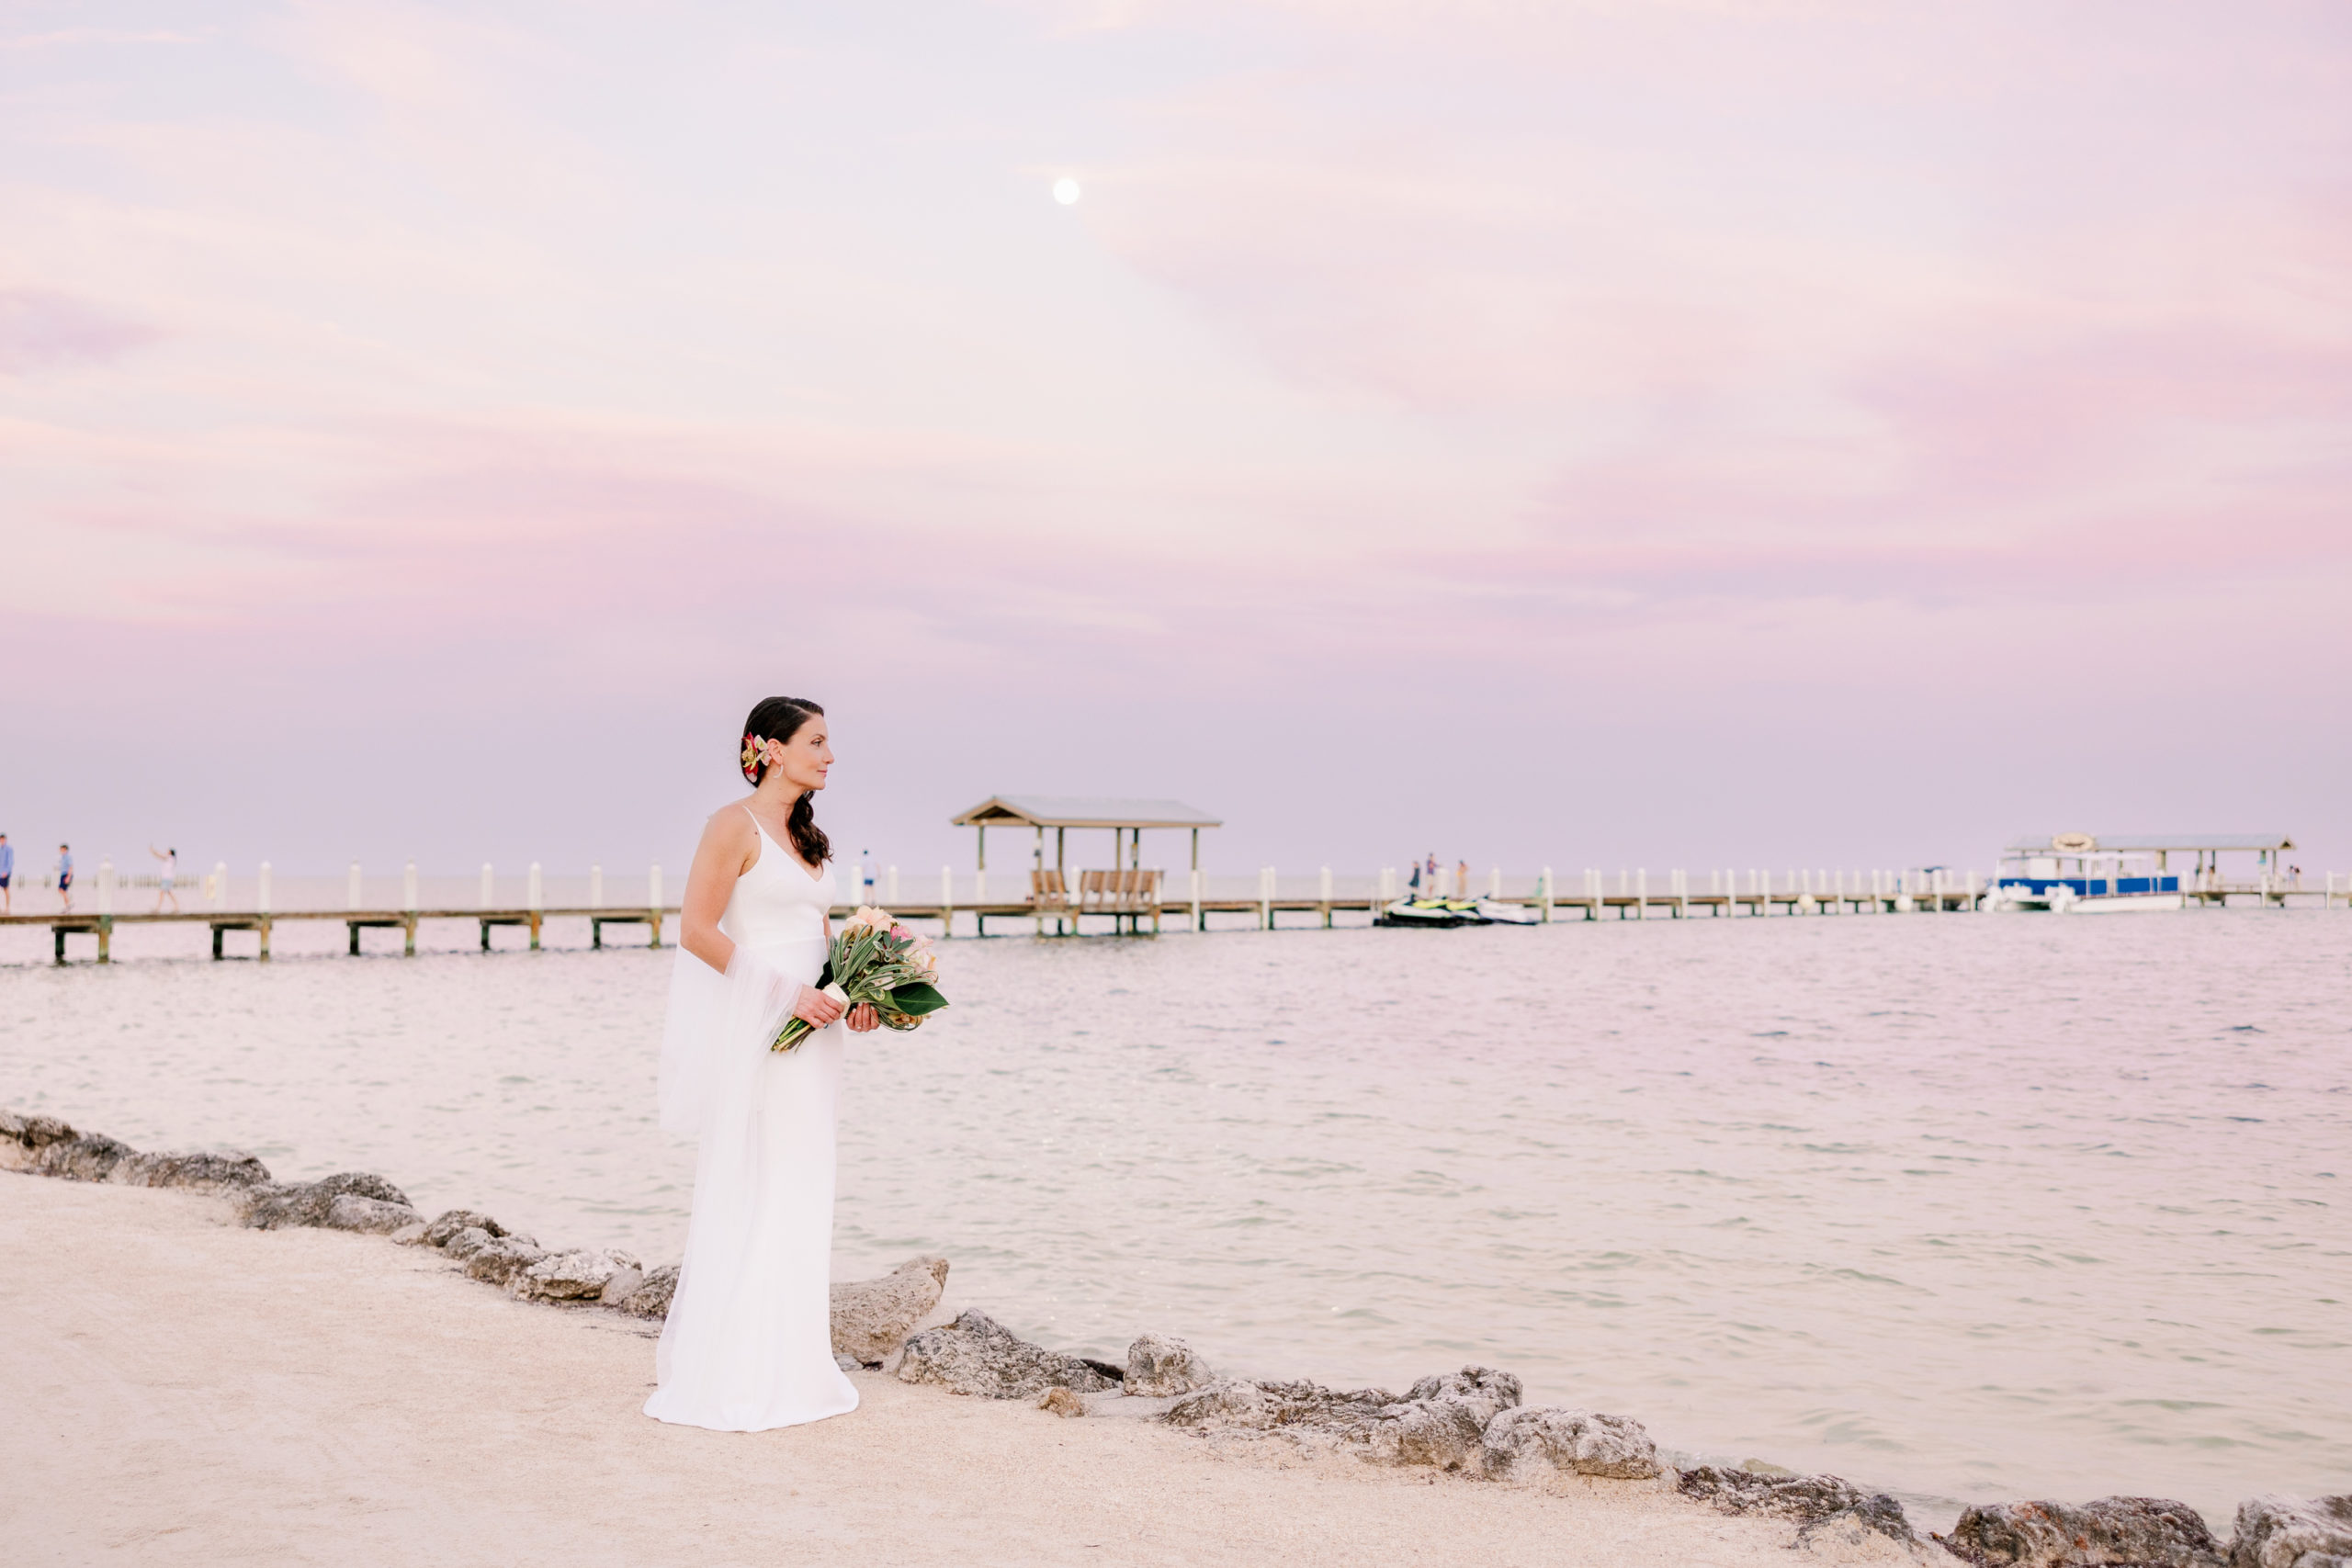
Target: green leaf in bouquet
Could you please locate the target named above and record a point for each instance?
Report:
(917, 999)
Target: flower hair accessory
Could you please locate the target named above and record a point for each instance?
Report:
(752, 749)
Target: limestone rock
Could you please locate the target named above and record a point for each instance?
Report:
(501, 1262)
(873, 1317)
(2294, 1532)
(229, 1169)
(350, 1212)
(32, 1131)
(276, 1205)
(465, 1243)
(450, 1222)
(410, 1234)
(974, 1355)
(848, 1363)
(623, 1284)
(1441, 1421)
(1062, 1403)
(1810, 1500)
(1228, 1404)
(1158, 1366)
(1525, 1443)
(89, 1156)
(579, 1275)
(2145, 1532)
(1257, 1405)
(652, 1299)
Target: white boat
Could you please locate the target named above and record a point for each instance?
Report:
(2125, 903)
(2075, 878)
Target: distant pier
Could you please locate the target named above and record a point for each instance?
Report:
(1129, 908)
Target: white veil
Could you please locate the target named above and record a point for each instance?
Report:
(720, 1027)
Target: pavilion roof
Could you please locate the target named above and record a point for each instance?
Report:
(1082, 811)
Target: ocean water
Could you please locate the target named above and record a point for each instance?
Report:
(1961, 1207)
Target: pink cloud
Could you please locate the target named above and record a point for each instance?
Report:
(42, 329)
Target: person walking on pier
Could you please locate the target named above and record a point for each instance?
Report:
(170, 859)
(64, 879)
(8, 874)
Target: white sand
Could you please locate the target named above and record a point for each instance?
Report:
(183, 1390)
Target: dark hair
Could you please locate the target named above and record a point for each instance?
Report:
(780, 718)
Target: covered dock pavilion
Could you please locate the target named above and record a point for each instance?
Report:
(1126, 819)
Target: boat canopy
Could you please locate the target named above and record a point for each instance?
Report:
(2150, 844)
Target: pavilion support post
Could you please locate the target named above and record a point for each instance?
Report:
(1200, 922)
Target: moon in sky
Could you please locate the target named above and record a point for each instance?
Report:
(1066, 191)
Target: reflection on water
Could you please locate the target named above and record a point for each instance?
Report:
(1959, 1206)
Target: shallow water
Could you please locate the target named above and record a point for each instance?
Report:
(1961, 1207)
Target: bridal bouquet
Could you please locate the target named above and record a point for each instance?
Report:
(878, 961)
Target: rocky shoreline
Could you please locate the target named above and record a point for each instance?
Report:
(1471, 1422)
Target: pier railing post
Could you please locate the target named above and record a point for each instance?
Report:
(947, 901)
(1547, 895)
(890, 886)
(1327, 898)
(220, 885)
(538, 903)
(106, 887)
(408, 908)
(1642, 894)
(653, 892)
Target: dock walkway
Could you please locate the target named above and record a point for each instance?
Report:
(1187, 913)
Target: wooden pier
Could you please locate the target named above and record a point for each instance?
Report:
(263, 922)
(1125, 902)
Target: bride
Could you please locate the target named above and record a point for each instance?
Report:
(749, 1341)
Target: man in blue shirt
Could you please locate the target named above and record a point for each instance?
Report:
(7, 872)
(65, 879)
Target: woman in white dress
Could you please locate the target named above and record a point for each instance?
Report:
(748, 1344)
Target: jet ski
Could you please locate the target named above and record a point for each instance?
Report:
(1435, 913)
(1499, 914)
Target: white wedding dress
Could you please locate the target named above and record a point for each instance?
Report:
(748, 1344)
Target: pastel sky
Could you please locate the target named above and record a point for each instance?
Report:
(1650, 432)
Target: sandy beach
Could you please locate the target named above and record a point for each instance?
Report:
(190, 1392)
